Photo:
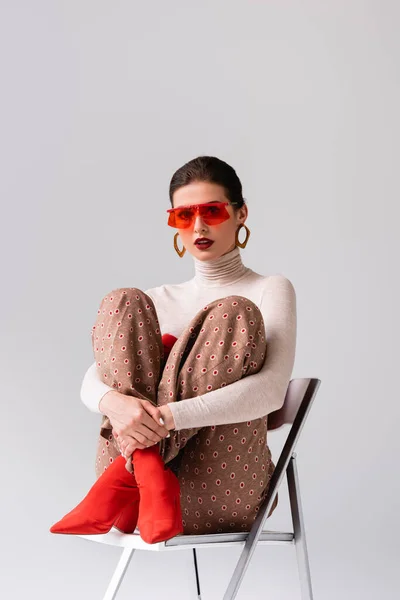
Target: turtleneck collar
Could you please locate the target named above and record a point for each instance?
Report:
(220, 271)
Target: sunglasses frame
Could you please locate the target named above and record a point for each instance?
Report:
(197, 207)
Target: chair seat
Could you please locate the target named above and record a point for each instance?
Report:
(180, 542)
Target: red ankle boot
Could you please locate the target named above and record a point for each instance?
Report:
(160, 515)
(127, 519)
(114, 500)
(115, 489)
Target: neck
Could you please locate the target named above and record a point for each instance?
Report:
(224, 270)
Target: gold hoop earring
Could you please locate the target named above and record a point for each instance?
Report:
(242, 244)
(180, 252)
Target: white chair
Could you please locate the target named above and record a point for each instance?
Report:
(298, 400)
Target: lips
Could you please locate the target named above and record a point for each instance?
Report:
(203, 242)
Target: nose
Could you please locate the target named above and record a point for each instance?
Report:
(199, 224)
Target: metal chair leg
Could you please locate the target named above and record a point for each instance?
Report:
(118, 574)
(197, 574)
(299, 530)
(249, 547)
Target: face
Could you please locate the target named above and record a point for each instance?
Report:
(222, 235)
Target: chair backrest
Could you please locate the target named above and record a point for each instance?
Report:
(293, 399)
(298, 400)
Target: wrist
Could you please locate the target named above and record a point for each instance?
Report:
(167, 416)
(110, 402)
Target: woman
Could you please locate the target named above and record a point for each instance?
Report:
(211, 357)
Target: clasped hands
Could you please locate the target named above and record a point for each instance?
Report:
(137, 423)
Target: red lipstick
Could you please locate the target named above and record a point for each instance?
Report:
(203, 243)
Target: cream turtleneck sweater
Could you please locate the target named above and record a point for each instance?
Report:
(176, 304)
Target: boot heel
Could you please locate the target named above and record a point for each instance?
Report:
(127, 519)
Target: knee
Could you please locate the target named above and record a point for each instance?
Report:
(243, 303)
(124, 292)
(123, 304)
(246, 312)
(235, 312)
(125, 296)
(237, 308)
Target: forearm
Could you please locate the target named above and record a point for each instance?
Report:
(244, 400)
(112, 404)
(93, 390)
(103, 399)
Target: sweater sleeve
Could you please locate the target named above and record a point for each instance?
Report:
(258, 394)
(93, 389)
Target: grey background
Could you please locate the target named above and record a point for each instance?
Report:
(100, 103)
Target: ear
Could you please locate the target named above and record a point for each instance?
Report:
(242, 214)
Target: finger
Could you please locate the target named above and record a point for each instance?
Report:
(145, 425)
(144, 435)
(122, 448)
(118, 427)
(156, 415)
(132, 446)
(153, 410)
(137, 426)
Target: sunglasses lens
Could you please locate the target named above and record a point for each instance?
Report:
(181, 218)
(215, 214)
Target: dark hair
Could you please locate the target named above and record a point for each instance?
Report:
(213, 170)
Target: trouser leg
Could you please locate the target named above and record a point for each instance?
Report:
(224, 470)
(128, 350)
(225, 341)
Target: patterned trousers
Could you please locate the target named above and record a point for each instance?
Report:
(223, 470)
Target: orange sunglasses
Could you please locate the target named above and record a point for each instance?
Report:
(213, 213)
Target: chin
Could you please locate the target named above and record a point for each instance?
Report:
(206, 254)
